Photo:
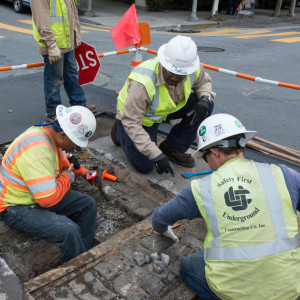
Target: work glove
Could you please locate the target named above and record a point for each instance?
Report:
(199, 112)
(73, 160)
(93, 178)
(163, 165)
(71, 174)
(54, 54)
(169, 234)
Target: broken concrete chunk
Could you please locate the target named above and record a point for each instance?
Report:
(154, 256)
(159, 266)
(165, 258)
(139, 258)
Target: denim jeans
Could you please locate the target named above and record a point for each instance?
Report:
(70, 224)
(181, 136)
(192, 270)
(63, 72)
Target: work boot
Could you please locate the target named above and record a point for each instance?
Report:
(176, 156)
(113, 133)
(92, 108)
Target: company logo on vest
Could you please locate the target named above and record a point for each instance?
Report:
(236, 199)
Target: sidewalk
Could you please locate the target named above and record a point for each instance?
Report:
(108, 13)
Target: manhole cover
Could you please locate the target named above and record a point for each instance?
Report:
(210, 49)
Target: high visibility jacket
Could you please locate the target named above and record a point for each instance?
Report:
(59, 25)
(162, 104)
(251, 249)
(30, 171)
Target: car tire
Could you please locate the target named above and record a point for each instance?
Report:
(18, 6)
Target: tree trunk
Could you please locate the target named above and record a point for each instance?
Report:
(292, 8)
(277, 8)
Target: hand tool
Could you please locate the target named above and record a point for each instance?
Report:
(189, 175)
(111, 177)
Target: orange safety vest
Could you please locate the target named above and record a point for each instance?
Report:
(29, 168)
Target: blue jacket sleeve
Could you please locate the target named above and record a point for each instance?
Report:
(182, 206)
(292, 180)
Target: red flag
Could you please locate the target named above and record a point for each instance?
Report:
(126, 32)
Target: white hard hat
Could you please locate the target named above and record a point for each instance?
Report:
(77, 122)
(217, 129)
(179, 55)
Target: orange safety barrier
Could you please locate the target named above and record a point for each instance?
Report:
(213, 68)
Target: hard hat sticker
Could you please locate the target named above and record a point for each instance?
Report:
(218, 130)
(68, 110)
(202, 130)
(75, 118)
(88, 134)
(83, 129)
(238, 124)
(60, 110)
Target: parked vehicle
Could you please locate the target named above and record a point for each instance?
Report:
(19, 5)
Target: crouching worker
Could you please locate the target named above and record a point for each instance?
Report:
(174, 85)
(35, 181)
(251, 249)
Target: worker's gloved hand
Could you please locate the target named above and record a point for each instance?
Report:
(163, 165)
(54, 54)
(198, 112)
(93, 178)
(73, 160)
(169, 234)
(71, 174)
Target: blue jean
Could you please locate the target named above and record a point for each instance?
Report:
(181, 136)
(192, 270)
(70, 224)
(63, 72)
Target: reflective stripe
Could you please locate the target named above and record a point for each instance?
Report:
(54, 17)
(57, 20)
(11, 178)
(209, 208)
(43, 186)
(30, 139)
(273, 199)
(252, 251)
(192, 78)
(147, 72)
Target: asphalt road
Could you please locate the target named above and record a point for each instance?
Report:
(272, 111)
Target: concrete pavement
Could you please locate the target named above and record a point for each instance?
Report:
(108, 13)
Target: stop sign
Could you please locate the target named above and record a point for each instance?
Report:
(88, 63)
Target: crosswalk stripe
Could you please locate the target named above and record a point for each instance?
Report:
(14, 28)
(222, 31)
(26, 21)
(266, 35)
(288, 40)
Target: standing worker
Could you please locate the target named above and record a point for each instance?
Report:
(173, 85)
(56, 31)
(251, 249)
(35, 181)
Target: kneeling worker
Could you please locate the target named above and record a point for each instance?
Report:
(173, 85)
(35, 181)
(251, 249)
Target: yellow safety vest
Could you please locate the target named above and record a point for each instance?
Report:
(251, 249)
(29, 169)
(60, 25)
(162, 104)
